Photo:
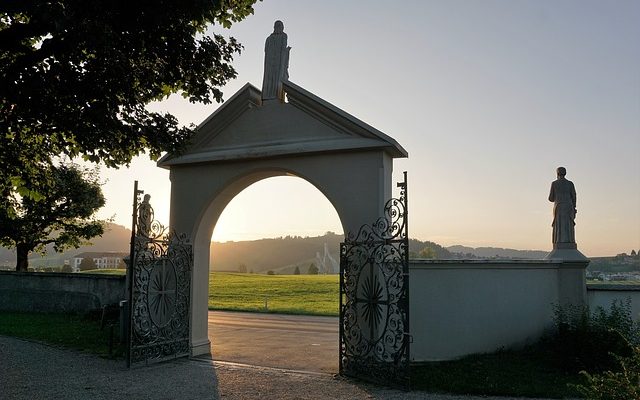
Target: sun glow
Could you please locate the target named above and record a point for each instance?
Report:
(275, 207)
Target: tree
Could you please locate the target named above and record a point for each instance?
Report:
(63, 217)
(296, 271)
(75, 77)
(313, 270)
(66, 268)
(87, 264)
(242, 268)
(427, 252)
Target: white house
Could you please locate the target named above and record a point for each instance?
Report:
(103, 260)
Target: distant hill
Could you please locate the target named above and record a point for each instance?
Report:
(495, 252)
(115, 239)
(619, 263)
(272, 254)
(283, 254)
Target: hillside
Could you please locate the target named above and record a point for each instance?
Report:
(282, 255)
(272, 254)
(495, 252)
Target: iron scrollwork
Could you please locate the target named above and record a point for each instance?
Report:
(159, 285)
(374, 306)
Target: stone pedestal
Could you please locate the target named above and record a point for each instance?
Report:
(572, 281)
(566, 252)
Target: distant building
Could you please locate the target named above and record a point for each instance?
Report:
(103, 260)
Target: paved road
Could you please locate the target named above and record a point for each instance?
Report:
(303, 343)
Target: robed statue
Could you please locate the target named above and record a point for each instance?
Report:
(276, 63)
(145, 217)
(563, 196)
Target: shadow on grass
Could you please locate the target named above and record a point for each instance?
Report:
(75, 331)
(531, 372)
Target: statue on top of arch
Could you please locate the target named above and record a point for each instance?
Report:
(276, 63)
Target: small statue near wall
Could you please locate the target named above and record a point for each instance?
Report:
(145, 217)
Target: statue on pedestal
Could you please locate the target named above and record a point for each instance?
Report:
(563, 196)
(276, 63)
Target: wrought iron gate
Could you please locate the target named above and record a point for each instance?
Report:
(374, 298)
(158, 281)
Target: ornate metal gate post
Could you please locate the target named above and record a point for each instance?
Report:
(159, 280)
(374, 298)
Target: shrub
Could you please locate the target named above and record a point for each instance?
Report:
(590, 341)
(621, 385)
(313, 270)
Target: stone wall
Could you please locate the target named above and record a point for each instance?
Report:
(58, 292)
(602, 295)
(461, 307)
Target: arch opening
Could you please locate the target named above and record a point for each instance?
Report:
(263, 256)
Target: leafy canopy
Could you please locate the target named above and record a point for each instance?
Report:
(63, 217)
(76, 75)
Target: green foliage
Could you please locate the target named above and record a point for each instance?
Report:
(427, 252)
(427, 249)
(75, 77)
(586, 340)
(106, 271)
(63, 217)
(81, 332)
(66, 268)
(288, 294)
(621, 385)
(297, 270)
(270, 272)
(313, 270)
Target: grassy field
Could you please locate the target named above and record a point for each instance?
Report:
(106, 271)
(287, 294)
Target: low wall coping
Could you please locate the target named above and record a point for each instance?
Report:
(613, 287)
(65, 275)
(491, 264)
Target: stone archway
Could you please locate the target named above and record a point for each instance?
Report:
(245, 141)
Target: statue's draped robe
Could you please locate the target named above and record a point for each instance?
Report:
(563, 194)
(276, 60)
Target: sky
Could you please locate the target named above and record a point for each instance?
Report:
(488, 97)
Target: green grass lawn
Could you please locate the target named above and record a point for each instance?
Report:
(105, 271)
(287, 294)
(526, 373)
(67, 330)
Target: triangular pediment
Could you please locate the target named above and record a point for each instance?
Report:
(245, 128)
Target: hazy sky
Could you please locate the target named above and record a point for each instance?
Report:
(488, 97)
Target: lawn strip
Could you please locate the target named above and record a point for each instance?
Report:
(66, 330)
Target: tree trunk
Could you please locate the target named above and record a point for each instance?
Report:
(22, 251)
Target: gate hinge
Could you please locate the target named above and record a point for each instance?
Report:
(410, 336)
